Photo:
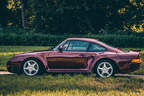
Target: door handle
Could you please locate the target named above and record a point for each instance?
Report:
(82, 55)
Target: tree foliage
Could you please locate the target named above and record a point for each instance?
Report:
(78, 16)
(3, 13)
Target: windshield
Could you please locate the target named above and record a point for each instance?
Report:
(55, 48)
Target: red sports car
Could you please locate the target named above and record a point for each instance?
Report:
(76, 55)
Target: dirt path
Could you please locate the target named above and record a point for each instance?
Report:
(130, 75)
(5, 73)
(117, 75)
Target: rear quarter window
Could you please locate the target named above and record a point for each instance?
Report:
(96, 48)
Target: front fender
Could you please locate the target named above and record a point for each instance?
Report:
(22, 58)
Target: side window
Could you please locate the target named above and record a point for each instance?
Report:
(80, 46)
(65, 46)
(96, 48)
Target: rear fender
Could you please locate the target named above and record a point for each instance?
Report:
(112, 58)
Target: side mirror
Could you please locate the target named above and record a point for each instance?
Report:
(60, 49)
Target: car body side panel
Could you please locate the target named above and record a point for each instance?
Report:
(69, 61)
(84, 64)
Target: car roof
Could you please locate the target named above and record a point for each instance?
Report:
(83, 39)
(90, 40)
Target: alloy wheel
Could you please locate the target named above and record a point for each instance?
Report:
(31, 67)
(105, 69)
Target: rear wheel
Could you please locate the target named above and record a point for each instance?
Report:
(105, 68)
(32, 67)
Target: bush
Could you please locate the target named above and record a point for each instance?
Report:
(24, 37)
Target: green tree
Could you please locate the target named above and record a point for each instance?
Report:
(3, 13)
(78, 16)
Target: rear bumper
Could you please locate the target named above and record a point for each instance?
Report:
(134, 66)
(131, 67)
(13, 67)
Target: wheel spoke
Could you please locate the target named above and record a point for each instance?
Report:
(33, 65)
(29, 64)
(100, 68)
(34, 69)
(30, 71)
(26, 68)
(102, 72)
(104, 65)
(109, 68)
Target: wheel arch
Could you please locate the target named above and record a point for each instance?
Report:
(118, 70)
(42, 64)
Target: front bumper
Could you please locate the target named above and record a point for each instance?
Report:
(13, 67)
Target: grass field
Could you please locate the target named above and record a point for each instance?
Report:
(65, 84)
(69, 85)
(22, 48)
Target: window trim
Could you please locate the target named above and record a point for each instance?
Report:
(57, 46)
(68, 41)
(64, 42)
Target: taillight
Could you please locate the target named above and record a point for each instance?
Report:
(137, 60)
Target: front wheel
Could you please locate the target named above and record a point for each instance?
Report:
(105, 68)
(31, 67)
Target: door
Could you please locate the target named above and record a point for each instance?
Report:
(74, 55)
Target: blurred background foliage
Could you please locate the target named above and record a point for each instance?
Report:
(74, 16)
(35, 20)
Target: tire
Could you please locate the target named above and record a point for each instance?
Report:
(32, 67)
(105, 68)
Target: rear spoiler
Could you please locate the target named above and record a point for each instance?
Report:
(138, 51)
(135, 50)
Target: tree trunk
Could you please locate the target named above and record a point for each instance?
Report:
(22, 14)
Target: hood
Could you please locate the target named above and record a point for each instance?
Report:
(38, 52)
